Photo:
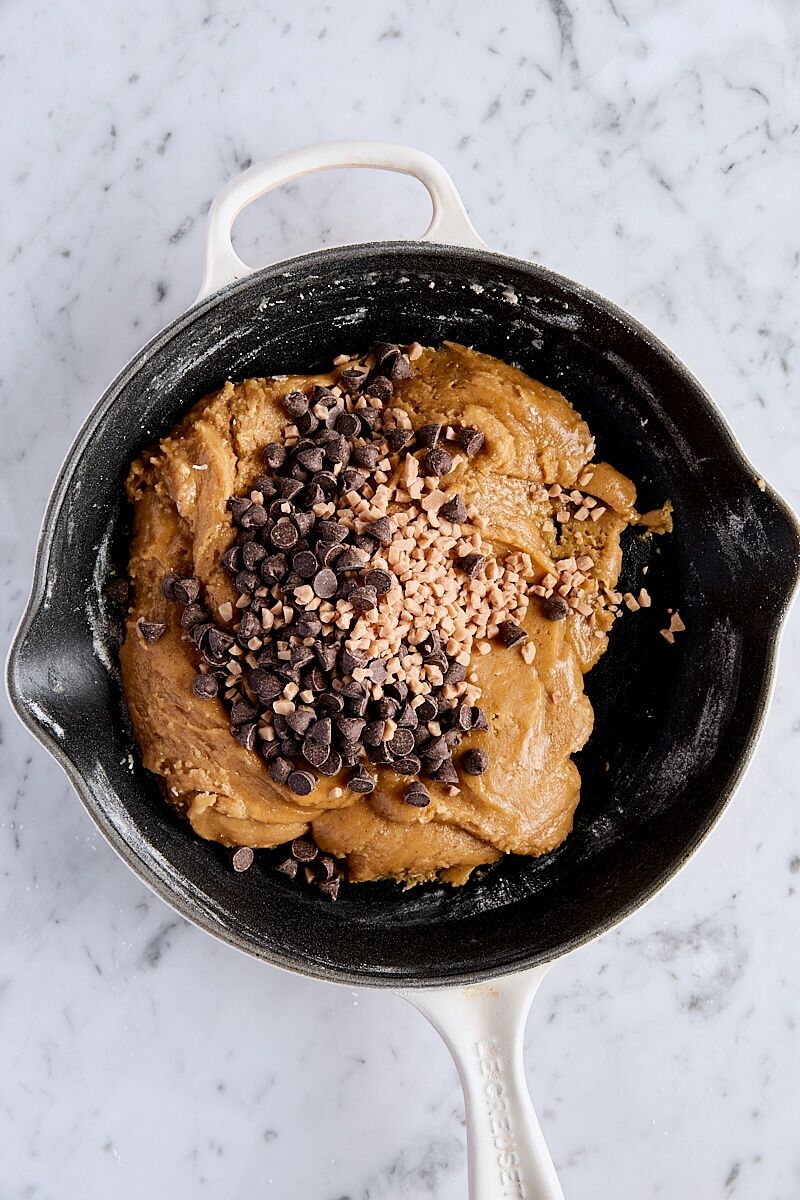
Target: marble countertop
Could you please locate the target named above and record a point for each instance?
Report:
(651, 150)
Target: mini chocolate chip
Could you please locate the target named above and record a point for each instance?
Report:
(274, 455)
(437, 462)
(365, 456)
(289, 488)
(347, 424)
(299, 721)
(151, 631)
(470, 440)
(352, 480)
(455, 510)
(192, 614)
(427, 710)
(118, 591)
(280, 769)
(370, 419)
(380, 581)
(315, 752)
(255, 517)
(380, 388)
(352, 380)
(199, 633)
(326, 656)
(475, 762)
(324, 867)
(304, 849)
(418, 795)
(407, 718)
(387, 707)
(168, 586)
(249, 627)
(218, 643)
(455, 673)
(295, 403)
(402, 743)
(398, 439)
(381, 530)
(242, 859)
(361, 781)
(330, 703)
(307, 423)
(331, 531)
(512, 634)
(263, 484)
(187, 590)
(479, 719)
(428, 435)
(325, 583)
(283, 534)
(555, 608)
(329, 888)
(363, 599)
(252, 555)
(301, 783)
(308, 626)
(463, 718)
(286, 866)
(407, 766)
(246, 582)
(303, 522)
(445, 772)
(246, 735)
(305, 564)
(238, 506)
(471, 564)
(373, 732)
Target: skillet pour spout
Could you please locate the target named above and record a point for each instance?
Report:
(675, 724)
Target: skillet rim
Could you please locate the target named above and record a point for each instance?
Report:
(190, 907)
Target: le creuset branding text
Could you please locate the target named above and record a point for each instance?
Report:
(500, 1119)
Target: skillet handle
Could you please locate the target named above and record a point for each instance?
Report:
(449, 222)
(483, 1026)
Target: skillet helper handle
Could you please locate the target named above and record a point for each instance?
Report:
(449, 223)
(483, 1026)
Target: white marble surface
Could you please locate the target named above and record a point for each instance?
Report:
(650, 149)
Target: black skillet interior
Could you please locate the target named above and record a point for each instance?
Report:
(674, 724)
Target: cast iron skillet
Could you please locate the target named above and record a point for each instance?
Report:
(675, 725)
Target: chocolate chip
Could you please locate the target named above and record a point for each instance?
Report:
(249, 627)
(283, 534)
(320, 731)
(151, 631)
(312, 494)
(329, 888)
(402, 743)
(289, 488)
(363, 599)
(168, 586)
(407, 766)
(265, 685)
(238, 506)
(332, 531)
(186, 590)
(380, 388)
(379, 581)
(352, 380)
(307, 423)
(274, 455)
(437, 659)
(455, 673)
(263, 484)
(347, 424)
(252, 555)
(555, 608)
(325, 583)
(308, 626)
(302, 783)
(191, 615)
(324, 867)
(471, 564)
(286, 866)
(352, 480)
(303, 522)
(455, 510)
(407, 718)
(435, 751)
(198, 634)
(470, 440)
(332, 764)
(330, 704)
(381, 530)
(218, 643)
(427, 710)
(418, 795)
(246, 735)
(255, 517)
(242, 712)
(445, 772)
(350, 728)
(361, 781)
(305, 564)
(311, 459)
(304, 849)
(299, 721)
(365, 455)
(272, 570)
(479, 719)
(398, 439)
(205, 687)
(462, 718)
(428, 435)
(373, 732)
(400, 369)
(437, 462)
(512, 634)
(326, 656)
(246, 582)
(242, 859)
(314, 752)
(475, 762)
(280, 769)
(295, 403)
(370, 418)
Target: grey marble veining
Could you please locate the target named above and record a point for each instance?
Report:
(647, 148)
